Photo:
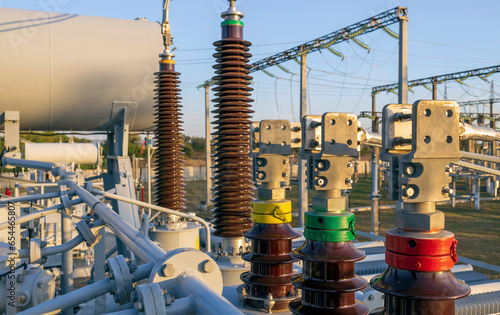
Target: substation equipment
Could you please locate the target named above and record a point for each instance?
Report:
(249, 259)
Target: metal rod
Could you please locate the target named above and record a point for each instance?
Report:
(34, 197)
(207, 301)
(149, 180)
(161, 209)
(403, 62)
(375, 197)
(303, 197)
(145, 249)
(84, 294)
(434, 89)
(208, 148)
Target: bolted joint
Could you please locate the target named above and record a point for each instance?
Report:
(168, 270)
(414, 221)
(208, 266)
(447, 191)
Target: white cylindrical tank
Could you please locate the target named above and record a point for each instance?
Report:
(79, 153)
(64, 71)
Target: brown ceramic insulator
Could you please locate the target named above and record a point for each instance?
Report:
(169, 184)
(328, 281)
(271, 262)
(233, 187)
(419, 293)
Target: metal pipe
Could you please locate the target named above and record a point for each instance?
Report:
(182, 306)
(470, 132)
(25, 253)
(67, 257)
(161, 209)
(208, 148)
(46, 166)
(477, 168)
(131, 311)
(207, 301)
(141, 245)
(34, 197)
(480, 157)
(39, 214)
(84, 294)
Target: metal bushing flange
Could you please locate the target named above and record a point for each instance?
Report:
(329, 226)
(121, 280)
(420, 252)
(182, 260)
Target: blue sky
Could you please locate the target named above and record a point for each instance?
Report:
(444, 37)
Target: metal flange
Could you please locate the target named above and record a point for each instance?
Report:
(150, 299)
(121, 280)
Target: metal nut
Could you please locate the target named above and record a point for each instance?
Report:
(285, 162)
(284, 174)
(408, 192)
(208, 266)
(348, 181)
(168, 270)
(320, 182)
(410, 170)
(261, 175)
(447, 190)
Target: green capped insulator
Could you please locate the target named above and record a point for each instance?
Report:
(329, 227)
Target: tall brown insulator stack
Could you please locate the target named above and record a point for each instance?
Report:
(232, 175)
(169, 184)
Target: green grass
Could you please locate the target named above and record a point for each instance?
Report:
(477, 232)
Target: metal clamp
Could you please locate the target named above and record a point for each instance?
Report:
(35, 250)
(90, 237)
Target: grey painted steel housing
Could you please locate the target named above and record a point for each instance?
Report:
(64, 71)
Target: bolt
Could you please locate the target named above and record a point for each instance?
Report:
(260, 162)
(348, 181)
(350, 165)
(314, 143)
(371, 297)
(208, 266)
(284, 174)
(320, 182)
(410, 170)
(140, 306)
(21, 298)
(321, 165)
(285, 162)
(447, 190)
(408, 192)
(168, 270)
(447, 169)
(261, 175)
(315, 124)
(39, 283)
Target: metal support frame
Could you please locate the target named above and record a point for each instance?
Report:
(10, 120)
(403, 60)
(303, 195)
(366, 26)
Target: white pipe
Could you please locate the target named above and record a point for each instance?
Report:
(207, 301)
(161, 209)
(79, 153)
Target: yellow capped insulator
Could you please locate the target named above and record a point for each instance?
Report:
(272, 212)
